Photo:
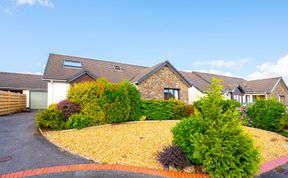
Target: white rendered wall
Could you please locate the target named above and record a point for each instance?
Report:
(57, 91)
(27, 93)
(194, 94)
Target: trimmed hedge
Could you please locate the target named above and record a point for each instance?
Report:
(163, 109)
(107, 102)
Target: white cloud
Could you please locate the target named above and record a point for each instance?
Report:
(222, 63)
(6, 10)
(268, 69)
(46, 3)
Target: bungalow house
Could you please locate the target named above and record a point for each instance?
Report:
(31, 85)
(240, 89)
(161, 81)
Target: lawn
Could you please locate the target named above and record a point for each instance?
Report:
(136, 143)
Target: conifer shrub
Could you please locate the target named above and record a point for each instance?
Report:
(216, 139)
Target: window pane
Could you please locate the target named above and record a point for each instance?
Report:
(176, 94)
(72, 63)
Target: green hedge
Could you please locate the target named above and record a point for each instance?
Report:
(120, 102)
(267, 114)
(163, 109)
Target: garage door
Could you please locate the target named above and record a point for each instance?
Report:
(38, 100)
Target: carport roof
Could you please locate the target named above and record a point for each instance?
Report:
(18, 81)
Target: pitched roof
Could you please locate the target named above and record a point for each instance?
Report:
(56, 70)
(17, 81)
(203, 80)
(263, 85)
(145, 73)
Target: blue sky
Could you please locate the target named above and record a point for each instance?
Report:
(241, 38)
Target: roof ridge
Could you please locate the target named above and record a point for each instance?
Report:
(100, 60)
(20, 73)
(265, 78)
(218, 75)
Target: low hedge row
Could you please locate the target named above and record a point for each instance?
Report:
(163, 110)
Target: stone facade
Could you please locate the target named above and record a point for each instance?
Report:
(153, 86)
(280, 90)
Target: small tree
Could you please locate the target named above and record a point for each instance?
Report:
(216, 138)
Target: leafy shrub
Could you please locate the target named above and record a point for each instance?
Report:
(163, 109)
(182, 133)
(87, 92)
(189, 110)
(52, 106)
(266, 114)
(94, 112)
(284, 124)
(120, 102)
(135, 101)
(68, 108)
(216, 138)
(173, 156)
(79, 121)
(50, 118)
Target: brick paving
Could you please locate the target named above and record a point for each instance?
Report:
(101, 167)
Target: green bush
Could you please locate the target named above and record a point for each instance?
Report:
(135, 101)
(51, 119)
(163, 109)
(79, 121)
(214, 138)
(182, 133)
(266, 114)
(94, 112)
(284, 124)
(119, 102)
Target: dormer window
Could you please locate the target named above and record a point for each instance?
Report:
(70, 63)
(117, 67)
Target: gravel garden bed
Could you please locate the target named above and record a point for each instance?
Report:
(136, 143)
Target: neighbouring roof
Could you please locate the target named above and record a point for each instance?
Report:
(203, 80)
(264, 85)
(113, 71)
(18, 81)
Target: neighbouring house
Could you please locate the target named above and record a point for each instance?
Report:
(162, 81)
(31, 85)
(240, 89)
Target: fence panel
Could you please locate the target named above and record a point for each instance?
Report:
(11, 102)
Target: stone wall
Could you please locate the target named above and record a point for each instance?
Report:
(280, 90)
(153, 86)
